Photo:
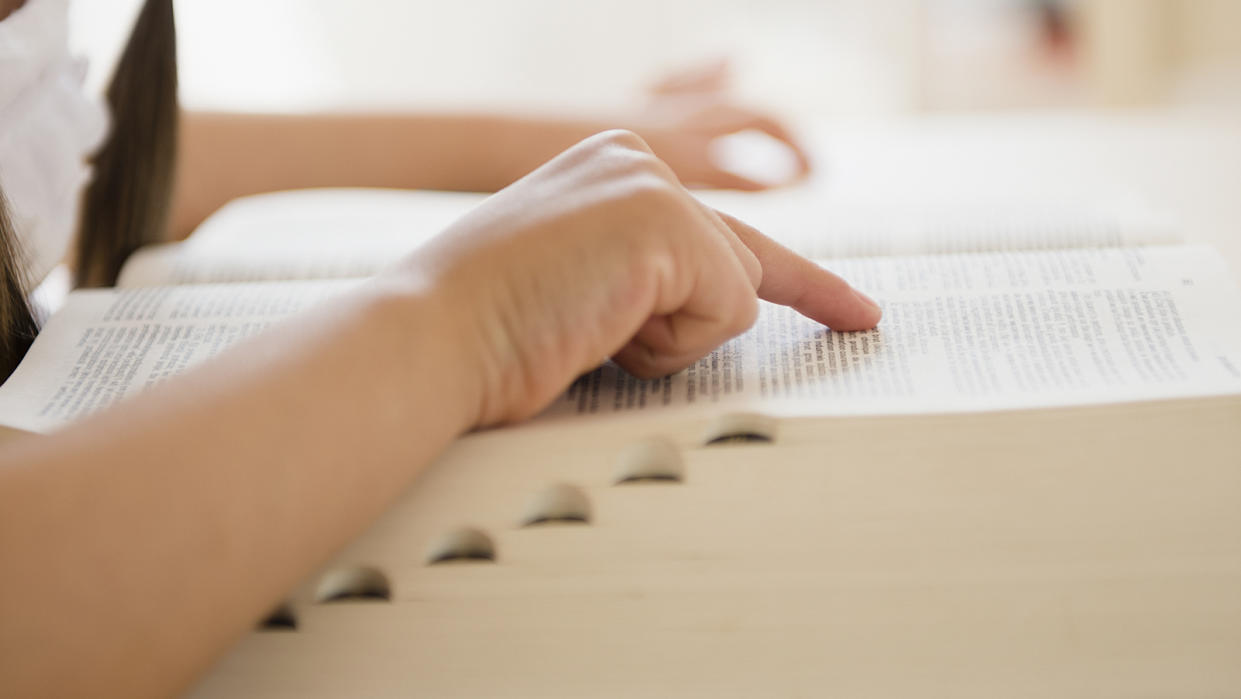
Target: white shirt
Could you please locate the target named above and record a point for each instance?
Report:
(48, 127)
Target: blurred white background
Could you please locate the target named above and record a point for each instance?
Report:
(802, 57)
(805, 58)
(920, 102)
(294, 54)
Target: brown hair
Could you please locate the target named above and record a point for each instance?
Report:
(126, 205)
(17, 324)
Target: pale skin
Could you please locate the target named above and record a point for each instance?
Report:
(223, 156)
(197, 504)
(481, 152)
(142, 542)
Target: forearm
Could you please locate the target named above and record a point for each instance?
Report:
(224, 156)
(140, 543)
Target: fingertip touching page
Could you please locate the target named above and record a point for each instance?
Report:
(965, 332)
(982, 331)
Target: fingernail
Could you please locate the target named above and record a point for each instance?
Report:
(866, 298)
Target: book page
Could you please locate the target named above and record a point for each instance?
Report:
(970, 332)
(335, 211)
(276, 257)
(332, 233)
(302, 234)
(105, 344)
(982, 331)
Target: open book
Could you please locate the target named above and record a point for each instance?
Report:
(995, 309)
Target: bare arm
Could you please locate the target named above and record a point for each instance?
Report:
(138, 544)
(224, 156)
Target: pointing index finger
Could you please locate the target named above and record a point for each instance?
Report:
(791, 280)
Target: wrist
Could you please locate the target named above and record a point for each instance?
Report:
(417, 328)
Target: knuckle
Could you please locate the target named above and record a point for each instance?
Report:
(649, 191)
(611, 153)
(627, 153)
(621, 138)
(619, 154)
(627, 160)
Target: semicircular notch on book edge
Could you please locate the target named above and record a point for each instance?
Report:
(558, 504)
(361, 583)
(654, 460)
(462, 545)
(281, 618)
(741, 428)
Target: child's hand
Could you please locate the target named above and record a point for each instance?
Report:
(601, 253)
(681, 131)
(690, 108)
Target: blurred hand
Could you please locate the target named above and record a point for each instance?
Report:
(602, 253)
(689, 109)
